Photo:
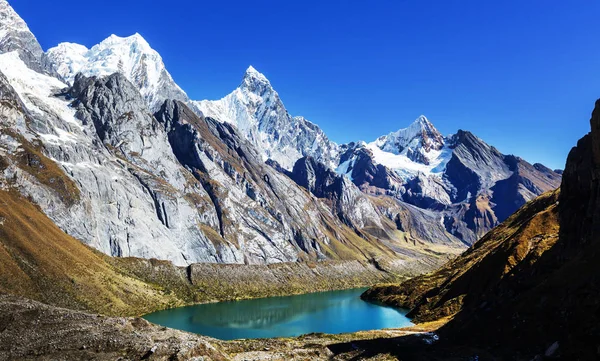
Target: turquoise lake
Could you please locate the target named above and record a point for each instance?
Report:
(328, 312)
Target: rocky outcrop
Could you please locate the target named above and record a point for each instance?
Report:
(580, 202)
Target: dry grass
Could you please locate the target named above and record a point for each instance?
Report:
(524, 237)
(39, 261)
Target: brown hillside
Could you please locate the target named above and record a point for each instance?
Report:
(524, 237)
(39, 261)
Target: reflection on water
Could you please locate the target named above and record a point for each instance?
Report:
(329, 312)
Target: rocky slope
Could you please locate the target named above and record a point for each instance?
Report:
(41, 262)
(529, 287)
(30, 330)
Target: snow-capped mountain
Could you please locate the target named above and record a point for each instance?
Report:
(419, 148)
(257, 111)
(417, 142)
(131, 56)
(470, 183)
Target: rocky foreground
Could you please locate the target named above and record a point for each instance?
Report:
(30, 330)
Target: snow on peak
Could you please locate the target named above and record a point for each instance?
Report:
(255, 80)
(131, 56)
(10, 20)
(259, 114)
(422, 120)
(418, 148)
(252, 72)
(136, 42)
(16, 36)
(419, 134)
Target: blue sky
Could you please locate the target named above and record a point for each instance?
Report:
(521, 74)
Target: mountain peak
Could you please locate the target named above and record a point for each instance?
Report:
(253, 74)
(16, 36)
(414, 141)
(9, 19)
(131, 56)
(135, 39)
(422, 120)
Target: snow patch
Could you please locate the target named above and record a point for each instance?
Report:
(37, 93)
(407, 168)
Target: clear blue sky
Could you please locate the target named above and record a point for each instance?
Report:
(521, 74)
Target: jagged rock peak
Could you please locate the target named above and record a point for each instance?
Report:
(258, 84)
(260, 116)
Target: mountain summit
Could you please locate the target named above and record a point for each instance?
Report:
(416, 141)
(256, 109)
(131, 56)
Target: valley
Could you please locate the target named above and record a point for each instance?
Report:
(139, 223)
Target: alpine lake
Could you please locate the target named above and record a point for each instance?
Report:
(324, 312)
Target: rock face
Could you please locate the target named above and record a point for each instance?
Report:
(580, 202)
(530, 286)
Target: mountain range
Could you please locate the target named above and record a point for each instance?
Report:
(118, 156)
